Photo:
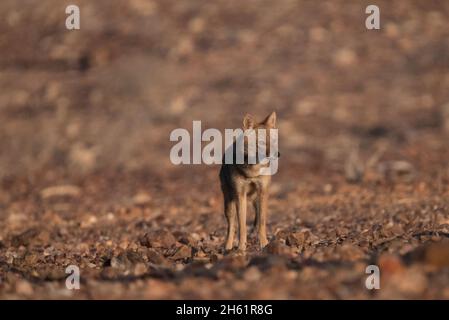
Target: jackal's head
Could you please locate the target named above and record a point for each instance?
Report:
(266, 137)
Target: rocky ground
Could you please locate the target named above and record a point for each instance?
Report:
(86, 177)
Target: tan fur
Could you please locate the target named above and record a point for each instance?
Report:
(242, 183)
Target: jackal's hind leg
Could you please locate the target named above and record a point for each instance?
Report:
(230, 213)
(241, 213)
(256, 207)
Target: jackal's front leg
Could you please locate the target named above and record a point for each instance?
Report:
(262, 227)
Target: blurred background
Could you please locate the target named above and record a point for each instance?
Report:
(107, 96)
(84, 141)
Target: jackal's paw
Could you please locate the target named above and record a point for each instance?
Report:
(242, 248)
(227, 251)
(240, 252)
(263, 243)
(228, 246)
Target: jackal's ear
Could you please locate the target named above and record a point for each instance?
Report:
(248, 122)
(270, 121)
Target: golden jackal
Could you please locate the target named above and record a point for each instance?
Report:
(240, 182)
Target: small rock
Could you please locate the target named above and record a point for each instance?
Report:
(140, 269)
(276, 247)
(433, 254)
(216, 257)
(354, 169)
(328, 188)
(120, 262)
(88, 221)
(60, 191)
(390, 264)
(252, 274)
(351, 252)
(297, 238)
(125, 260)
(183, 252)
(437, 254)
(25, 238)
(269, 262)
(231, 262)
(394, 169)
(345, 57)
(412, 282)
(82, 157)
(156, 257)
(141, 198)
(158, 239)
(24, 287)
(185, 238)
